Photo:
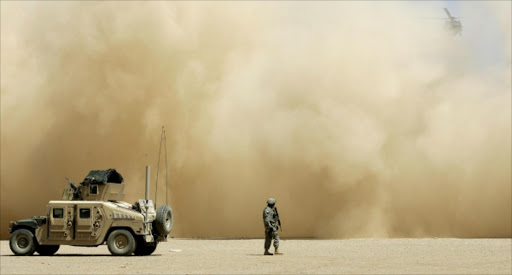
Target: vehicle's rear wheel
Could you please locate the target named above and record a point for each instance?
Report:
(23, 242)
(144, 249)
(121, 243)
(164, 220)
(47, 250)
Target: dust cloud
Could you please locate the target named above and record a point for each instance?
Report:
(359, 118)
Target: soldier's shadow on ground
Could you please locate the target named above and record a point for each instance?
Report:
(258, 255)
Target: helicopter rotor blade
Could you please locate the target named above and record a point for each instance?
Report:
(441, 18)
(448, 13)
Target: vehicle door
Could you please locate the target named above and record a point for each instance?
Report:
(61, 226)
(89, 222)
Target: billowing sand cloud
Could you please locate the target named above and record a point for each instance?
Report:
(362, 120)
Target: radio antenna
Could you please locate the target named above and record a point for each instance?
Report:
(162, 138)
(166, 177)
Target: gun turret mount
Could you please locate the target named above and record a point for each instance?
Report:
(98, 185)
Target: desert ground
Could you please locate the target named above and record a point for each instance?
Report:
(198, 256)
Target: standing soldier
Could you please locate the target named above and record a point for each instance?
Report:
(271, 221)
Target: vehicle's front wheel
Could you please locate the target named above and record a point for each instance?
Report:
(23, 242)
(144, 249)
(47, 250)
(121, 243)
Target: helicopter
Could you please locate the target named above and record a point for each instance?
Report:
(453, 23)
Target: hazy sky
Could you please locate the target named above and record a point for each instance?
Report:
(482, 31)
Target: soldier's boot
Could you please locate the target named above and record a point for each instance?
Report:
(277, 252)
(267, 252)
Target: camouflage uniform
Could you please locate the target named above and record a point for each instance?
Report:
(271, 227)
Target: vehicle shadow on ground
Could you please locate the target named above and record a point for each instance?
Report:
(81, 255)
(100, 255)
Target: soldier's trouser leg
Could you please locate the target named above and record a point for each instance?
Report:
(268, 238)
(275, 236)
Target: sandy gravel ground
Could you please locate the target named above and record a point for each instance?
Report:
(391, 256)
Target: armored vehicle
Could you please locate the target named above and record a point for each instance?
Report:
(93, 214)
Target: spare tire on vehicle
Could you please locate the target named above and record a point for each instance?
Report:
(164, 220)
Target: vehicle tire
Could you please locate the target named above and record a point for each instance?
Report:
(47, 250)
(23, 242)
(144, 249)
(121, 243)
(164, 220)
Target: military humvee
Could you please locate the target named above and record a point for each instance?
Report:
(92, 214)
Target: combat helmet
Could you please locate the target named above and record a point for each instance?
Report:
(271, 201)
